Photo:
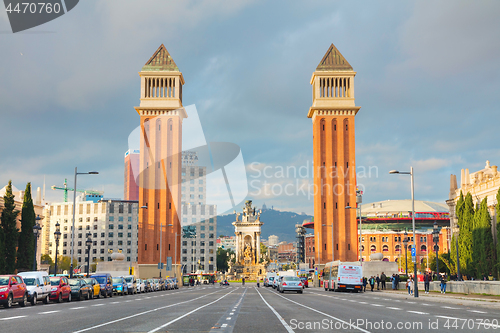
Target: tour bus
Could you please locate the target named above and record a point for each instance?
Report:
(342, 275)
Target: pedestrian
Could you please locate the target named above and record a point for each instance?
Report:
(408, 283)
(372, 282)
(410, 286)
(383, 277)
(242, 281)
(427, 280)
(393, 281)
(258, 283)
(365, 282)
(378, 282)
(443, 284)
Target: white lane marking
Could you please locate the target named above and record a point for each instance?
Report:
(375, 297)
(98, 305)
(446, 317)
(477, 311)
(47, 312)
(351, 300)
(418, 312)
(393, 308)
(376, 304)
(232, 313)
(450, 307)
(228, 318)
(78, 307)
(324, 314)
(128, 301)
(141, 313)
(283, 322)
(362, 302)
(224, 325)
(190, 312)
(114, 302)
(411, 302)
(425, 304)
(16, 317)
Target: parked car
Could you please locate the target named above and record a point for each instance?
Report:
(290, 283)
(150, 285)
(80, 289)
(169, 284)
(96, 287)
(305, 282)
(120, 286)
(13, 290)
(162, 284)
(131, 284)
(157, 284)
(38, 284)
(276, 282)
(174, 281)
(141, 285)
(59, 289)
(106, 283)
(270, 277)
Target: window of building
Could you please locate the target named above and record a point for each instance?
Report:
(120, 218)
(79, 235)
(191, 189)
(79, 243)
(211, 228)
(192, 181)
(130, 218)
(80, 219)
(102, 244)
(95, 227)
(130, 209)
(202, 235)
(211, 236)
(110, 243)
(373, 248)
(385, 248)
(111, 218)
(120, 226)
(110, 234)
(111, 208)
(120, 243)
(423, 248)
(120, 208)
(184, 243)
(202, 227)
(211, 243)
(184, 251)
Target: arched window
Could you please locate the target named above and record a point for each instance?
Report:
(373, 248)
(362, 247)
(423, 248)
(398, 248)
(385, 259)
(385, 248)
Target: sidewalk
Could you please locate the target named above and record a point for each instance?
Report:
(451, 298)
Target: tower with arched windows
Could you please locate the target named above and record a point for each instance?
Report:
(161, 114)
(332, 112)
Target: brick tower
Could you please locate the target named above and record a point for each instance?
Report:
(332, 112)
(161, 115)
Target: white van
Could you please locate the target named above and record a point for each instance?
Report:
(38, 284)
(341, 275)
(270, 277)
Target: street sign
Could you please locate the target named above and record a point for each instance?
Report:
(160, 265)
(169, 264)
(413, 252)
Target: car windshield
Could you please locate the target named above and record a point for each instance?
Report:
(4, 281)
(55, 281)
(88, 281)
(290, 278)
(74, 282)
(271, 278)
(129, 279)
(101, 279)
(117, 280)
(29, 281)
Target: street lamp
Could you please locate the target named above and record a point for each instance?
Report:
(175, 251)
(74, 210)
(89, 244)
(36, 232)
(57, 235)
(415, 277)
(405, 242)
(435, 238)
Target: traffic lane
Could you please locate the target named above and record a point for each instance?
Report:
(376, 317)
(163, 315)
(419, 304)
(67, 317)
(307, 318)
(198, 316)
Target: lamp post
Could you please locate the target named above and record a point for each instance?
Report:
(74, 210)
(459, 278)
(175, 251)
(36, 232)
(88, 242)
(435, 238)
(405, 242)
(415, 277)
(57, 235)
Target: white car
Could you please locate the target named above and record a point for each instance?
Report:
(141, 286)
(131, 284)
(276, 282)
(38, 284)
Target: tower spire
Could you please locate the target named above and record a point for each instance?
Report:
(333, 60)
(161, 61)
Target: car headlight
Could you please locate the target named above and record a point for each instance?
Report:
(3, 289)
(53, 289)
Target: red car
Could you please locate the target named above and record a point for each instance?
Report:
(305, 282)
(13, 290)
(59, 289)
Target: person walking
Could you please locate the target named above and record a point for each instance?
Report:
(443, 283)
(393, 281)
(378, 282)
(242, 281)
(372, 282)
(398, 279)
(427, 280)
(383, 277)
(365, 282)
(408, 285)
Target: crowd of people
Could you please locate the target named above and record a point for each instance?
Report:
(395, 279)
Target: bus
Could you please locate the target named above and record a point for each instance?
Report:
(343, 275)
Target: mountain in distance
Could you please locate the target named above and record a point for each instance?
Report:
(279, 223)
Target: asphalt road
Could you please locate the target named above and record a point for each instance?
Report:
(249, 309)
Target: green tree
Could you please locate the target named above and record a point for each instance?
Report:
(465, 241)
(459, 213)
(263, 251)
(223, 257)
(498, 235)
(64, 263)
(26, 245)
(10, 232)
(485, 256)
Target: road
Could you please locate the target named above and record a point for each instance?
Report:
(249, 309)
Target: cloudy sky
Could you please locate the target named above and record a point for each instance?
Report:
(428, 83)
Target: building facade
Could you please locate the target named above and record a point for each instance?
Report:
(161, 114)
(332, 113)
(273, 240)
(227, 243)
(112, 224)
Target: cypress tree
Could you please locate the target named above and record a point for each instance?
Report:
(10, 232)
(477, 264)
(459, 213)
(26, 245)
(465, 237)
(497, 264)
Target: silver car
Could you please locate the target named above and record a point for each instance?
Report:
(290, 283)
